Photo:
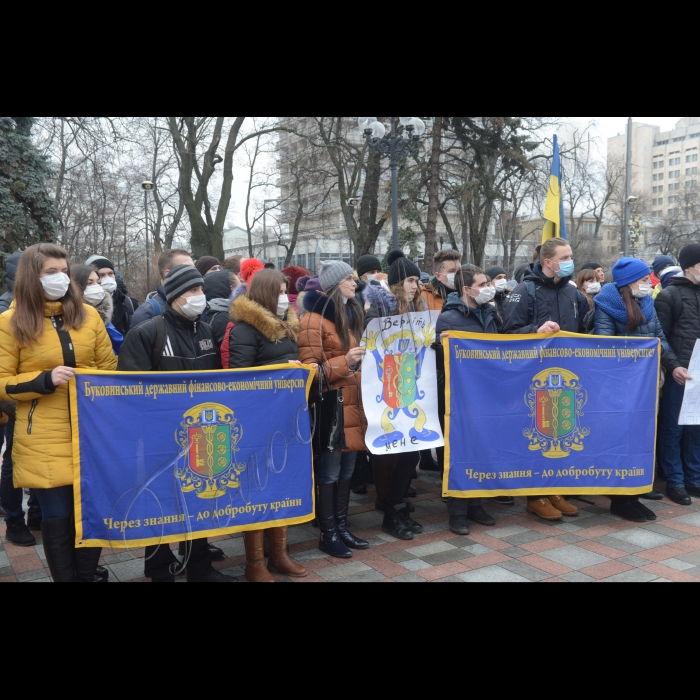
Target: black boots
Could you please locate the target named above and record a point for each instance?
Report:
(631, 509)
(86, 562)
(20, 536)
(330, 542)
(680, 496)
(59, 548)
(398, 523)
(342, 505)
(479, 516)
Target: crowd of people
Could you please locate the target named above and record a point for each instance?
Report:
(206, 315)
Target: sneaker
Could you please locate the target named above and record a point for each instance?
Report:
(20, 536)
(543, 509)
(459, 525)
(562, 505)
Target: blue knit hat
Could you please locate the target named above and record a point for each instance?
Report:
(661, 263)
(628, 271)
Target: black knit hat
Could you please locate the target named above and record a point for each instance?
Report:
(368, 263)
(591, 266)
(205, 263)
(690, 256)
(401, 268)
(180, 280)
(495, 271)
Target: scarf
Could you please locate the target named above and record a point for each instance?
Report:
(610, 301)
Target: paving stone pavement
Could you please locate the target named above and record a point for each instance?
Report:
(595, 547)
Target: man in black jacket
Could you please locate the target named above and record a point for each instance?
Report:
(186, 346)
(678, 308)
(157, 303)
(546, 303)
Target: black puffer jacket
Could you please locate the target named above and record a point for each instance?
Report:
(678, 309)
(10, 274)
(124, 310)
(189, 347)
(561, 303)
(457, 316)
(259, 338)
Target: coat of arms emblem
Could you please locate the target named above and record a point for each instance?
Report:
(208, 437)
(556, 400)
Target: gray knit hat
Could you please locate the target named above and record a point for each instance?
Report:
(333, 273)
(180, 280)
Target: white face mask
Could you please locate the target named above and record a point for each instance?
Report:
(55, 286)
(593, 288)
(501, 286)
(282, 305)
(94, 294)
(371, 278)
(194, 307)
(109, 284)
(487, 294)
(643, 291)
(450, 284)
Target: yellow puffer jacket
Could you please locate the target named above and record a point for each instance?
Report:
(43, 450)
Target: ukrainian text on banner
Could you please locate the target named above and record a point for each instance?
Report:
(169, 457)
(399, 384)
(550, 415)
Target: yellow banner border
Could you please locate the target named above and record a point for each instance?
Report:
(459, 335)
(138, 544)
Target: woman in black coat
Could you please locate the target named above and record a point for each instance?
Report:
(265, 333)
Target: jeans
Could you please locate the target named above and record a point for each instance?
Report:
(336, 466)
(679, 445)
(56, 504)
(10, 497)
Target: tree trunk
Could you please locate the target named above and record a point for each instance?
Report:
(433, 198)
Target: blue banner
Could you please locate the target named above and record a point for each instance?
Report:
(550, 415)
(171, 457)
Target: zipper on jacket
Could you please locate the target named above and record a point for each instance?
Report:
(31, 415)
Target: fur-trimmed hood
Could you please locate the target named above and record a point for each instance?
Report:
(244, 310)
(105, 308)
(315, 302)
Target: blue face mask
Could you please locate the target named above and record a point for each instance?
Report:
(566, 269)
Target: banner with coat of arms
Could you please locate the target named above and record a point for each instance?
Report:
(550, 415)
(170, 457)
(399, 384)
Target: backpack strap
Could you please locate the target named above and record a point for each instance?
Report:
(532, 297)
(161, 340)
(155, 305)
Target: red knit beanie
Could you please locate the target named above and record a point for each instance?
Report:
(294, 274)
(249, 268)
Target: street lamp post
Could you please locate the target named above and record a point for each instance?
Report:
(395, 148)
(628, 189)
(147, 187)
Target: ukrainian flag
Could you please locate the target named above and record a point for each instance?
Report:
(555, 219)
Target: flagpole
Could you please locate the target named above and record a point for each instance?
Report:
(628, 196)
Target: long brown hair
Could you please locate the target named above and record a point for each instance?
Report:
(406, 306)
(264, 289)
(634, 311)
(584, 277)
(27, 323)
(343, 323)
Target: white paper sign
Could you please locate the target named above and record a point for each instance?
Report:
(399, 384)
(690, 413)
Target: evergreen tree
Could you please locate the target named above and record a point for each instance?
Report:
(26, 209)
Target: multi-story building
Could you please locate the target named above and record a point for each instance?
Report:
(664, 173)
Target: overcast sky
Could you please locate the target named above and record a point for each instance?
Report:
(607, 127)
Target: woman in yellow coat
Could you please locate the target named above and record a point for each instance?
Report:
(47, 334)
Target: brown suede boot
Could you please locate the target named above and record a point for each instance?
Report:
(542, 508)
(255, 569)
(279, 560)
(562, 505)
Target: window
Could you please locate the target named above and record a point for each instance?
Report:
(674, 200)
(674, 161)
(692, 159)
(680, 139)
(674, 186)
(674, 174)
(691, 171)
(659, 177)
(657, 214)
